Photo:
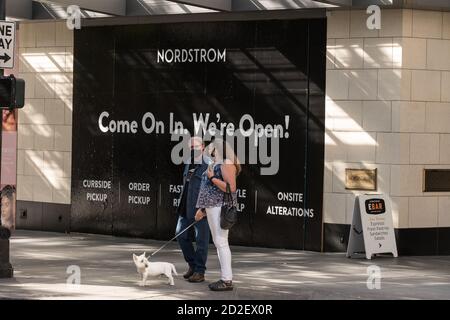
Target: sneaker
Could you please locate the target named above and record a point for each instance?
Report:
(197, 277)
(188, 273)
(221, 285)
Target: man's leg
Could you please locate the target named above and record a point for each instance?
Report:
(201, 253)
(185, 241)
(202, 241)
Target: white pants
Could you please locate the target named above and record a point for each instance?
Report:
(220, 238)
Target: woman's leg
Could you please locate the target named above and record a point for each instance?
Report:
(220, 238)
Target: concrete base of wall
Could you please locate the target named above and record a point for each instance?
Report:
(43, 216)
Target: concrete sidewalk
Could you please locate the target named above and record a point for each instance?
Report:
(41, 259)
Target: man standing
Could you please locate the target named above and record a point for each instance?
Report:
(192, 176)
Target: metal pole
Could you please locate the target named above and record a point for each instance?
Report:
(2, 9)
(6, 269)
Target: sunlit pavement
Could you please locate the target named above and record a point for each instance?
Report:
(41, 261)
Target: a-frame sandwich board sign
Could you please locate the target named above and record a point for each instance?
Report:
(372, 229)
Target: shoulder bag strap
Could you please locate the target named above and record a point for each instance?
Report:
(227, 197)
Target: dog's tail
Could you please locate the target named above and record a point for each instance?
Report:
(174, 270)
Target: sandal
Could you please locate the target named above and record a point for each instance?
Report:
(221, 286)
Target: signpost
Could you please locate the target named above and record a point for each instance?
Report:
(7, 36)
(372, 229)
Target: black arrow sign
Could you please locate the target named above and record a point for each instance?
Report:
(5, 58)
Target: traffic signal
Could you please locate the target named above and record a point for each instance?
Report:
(12, 92)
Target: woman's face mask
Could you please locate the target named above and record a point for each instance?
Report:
(195, 154)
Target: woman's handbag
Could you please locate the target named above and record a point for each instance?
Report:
(228, 215)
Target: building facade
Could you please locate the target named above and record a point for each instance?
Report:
(386, 106)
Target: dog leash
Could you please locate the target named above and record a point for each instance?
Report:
(164, 245)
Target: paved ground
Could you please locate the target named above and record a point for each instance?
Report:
(41, 259)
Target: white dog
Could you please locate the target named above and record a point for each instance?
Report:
(147, 268)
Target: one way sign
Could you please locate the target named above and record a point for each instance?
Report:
(7, 39)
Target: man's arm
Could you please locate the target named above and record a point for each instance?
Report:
(185, 173)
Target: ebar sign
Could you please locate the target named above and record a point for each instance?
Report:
(7, 39)
(372, 229)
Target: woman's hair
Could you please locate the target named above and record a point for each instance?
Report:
(222, 151)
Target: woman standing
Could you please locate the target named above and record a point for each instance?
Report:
(222, 171)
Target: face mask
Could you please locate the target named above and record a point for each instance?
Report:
(195, 153)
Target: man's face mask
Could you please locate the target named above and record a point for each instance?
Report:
(195, 154)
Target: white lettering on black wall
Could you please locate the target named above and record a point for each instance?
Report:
(191, 55)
